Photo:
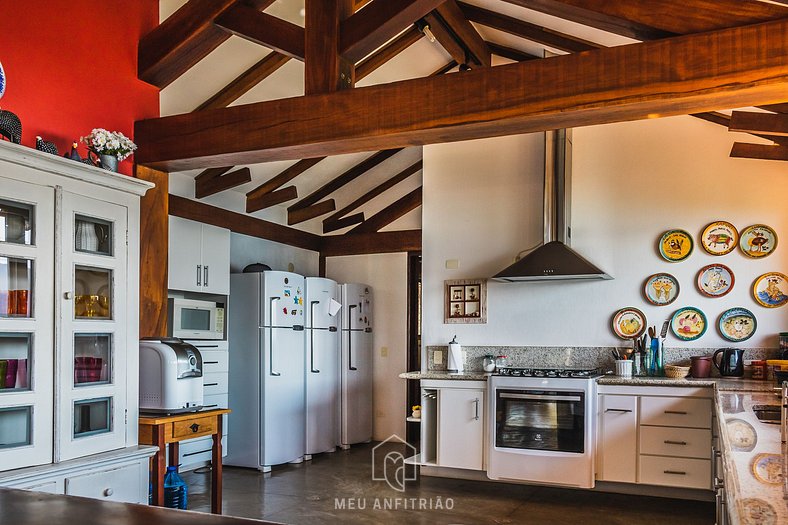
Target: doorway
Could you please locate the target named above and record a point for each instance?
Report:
(413, 431)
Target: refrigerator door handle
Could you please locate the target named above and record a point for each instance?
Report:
(350, 337)
(312, 338)
(271, 338)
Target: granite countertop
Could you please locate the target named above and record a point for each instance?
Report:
(722, 384)
(438, 374)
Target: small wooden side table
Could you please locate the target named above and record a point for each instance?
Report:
(171, 430)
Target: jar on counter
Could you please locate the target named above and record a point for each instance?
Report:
(488, 363)
(759, 370)
(501, 362)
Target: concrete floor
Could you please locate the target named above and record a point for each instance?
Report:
(313, 492)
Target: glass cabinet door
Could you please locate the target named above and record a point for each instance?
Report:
(27, 253)
(92, 400)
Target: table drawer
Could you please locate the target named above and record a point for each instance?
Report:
(214, 361)
(118, 484)
(675, 441)
(691, 412)
(675, 472)
(215, 383)
(193, 427)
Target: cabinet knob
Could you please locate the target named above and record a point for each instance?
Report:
(194, 427)
(67, 296)
(108, 492)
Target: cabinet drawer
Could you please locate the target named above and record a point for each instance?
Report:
(119, 484)
(675, 472)
(197, 426)
(50, 487)
(689, 412)
(217, 401)
(214, 361)
(198, 451)
(675, 441)
(215, 383)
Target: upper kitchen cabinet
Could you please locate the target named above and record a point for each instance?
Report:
(199, 257)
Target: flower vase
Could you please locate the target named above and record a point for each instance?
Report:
(109, 162)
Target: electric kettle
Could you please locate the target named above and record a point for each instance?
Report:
(732, 362)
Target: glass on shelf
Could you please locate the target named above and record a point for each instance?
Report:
(92, 416)
(14, 357)
(92, 293)
(16, 281)
(15, 427)
(92, 359)
(92, 235)
(16, 222)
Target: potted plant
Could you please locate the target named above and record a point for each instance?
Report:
(110, 146)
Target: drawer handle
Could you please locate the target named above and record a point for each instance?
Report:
(195, 427)
(676, 472)
(617, 410)
(210, 362)
(678, 412)
(108, 492)
(197, 452)
(669, 442)
(210, 406)
(211, 384)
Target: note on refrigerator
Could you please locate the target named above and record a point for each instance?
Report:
(333, 307)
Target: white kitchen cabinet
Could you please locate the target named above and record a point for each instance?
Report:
(617, 450)
(199, 257)
(69, 303)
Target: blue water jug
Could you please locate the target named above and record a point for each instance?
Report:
(175, 490)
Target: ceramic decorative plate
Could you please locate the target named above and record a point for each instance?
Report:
(768, 468)
(755, 511)
(743, 436)
(715, 280)
(661, 289)
(771, 290)
(629, 323)
(758, 241)
(737, 324)
(675, 245)
(719, 238)
(688, 323)
(2, 80)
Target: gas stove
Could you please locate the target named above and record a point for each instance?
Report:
(563, 373)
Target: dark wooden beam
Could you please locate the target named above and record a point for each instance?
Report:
(264, 29)
(316, 210)
(241, 223)
(724, 120)
(526, 30)
(280, 180)
(344, 222)
(510, 53)
(325, 70)
(182, 40)
(445, 69)
(752, 122)
(271, 199)
(209, 186)
(576, 12)
(346, 177)
(759, 151)
(153, 254)
(390, 213)
(246, 81)
(457, 28)
(371, 194)
(379, 22)
(387, 52)
(369, 243)
(321, 265)
(728, 68)
(777, 108)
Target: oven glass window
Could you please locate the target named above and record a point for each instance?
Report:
(540, 420)
(194, 319)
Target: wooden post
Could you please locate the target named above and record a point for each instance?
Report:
(154, 210)
(325, 70)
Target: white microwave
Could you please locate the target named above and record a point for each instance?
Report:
(190, 319)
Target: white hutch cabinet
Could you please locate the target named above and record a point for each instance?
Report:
(69, 328)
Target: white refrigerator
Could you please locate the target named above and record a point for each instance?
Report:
(266, 347)
(322, 310)
(357, 323)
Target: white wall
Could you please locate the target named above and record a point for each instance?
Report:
(388, 276)
(245, 250)
(632, 181)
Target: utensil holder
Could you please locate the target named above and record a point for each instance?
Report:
(623, 367)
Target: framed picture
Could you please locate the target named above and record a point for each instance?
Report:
(465, 301)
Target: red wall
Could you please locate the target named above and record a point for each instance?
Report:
(71, 66)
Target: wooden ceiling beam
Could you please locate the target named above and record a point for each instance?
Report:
(245, 81)
(387, 52)
(390, 213)
(759, 151)
(728, 68)
(752, 122)
(210, 186)
(444, 69)
(264, 29)
(457, 28)
(283, 178)
(344, 222)
(346, 177)
(722, 119)
(777, 108)
(526, 30)
(379, 22)
(271, 199)
(310, 212)
(325, 70)
(369, 243)
(510, 53)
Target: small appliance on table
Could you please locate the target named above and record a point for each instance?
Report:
(170, 376)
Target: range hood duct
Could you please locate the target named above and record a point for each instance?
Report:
(554, 260)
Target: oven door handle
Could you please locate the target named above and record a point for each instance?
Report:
(506, 395)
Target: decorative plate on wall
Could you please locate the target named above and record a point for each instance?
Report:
(737, 324)
(743, 435)
(675, 245)
(2, 80)
(758, 241)
(768, 468)
(688, 323)
(719, 238)
(629, 323)
(771, 290)
(661, 289)
(715, 280)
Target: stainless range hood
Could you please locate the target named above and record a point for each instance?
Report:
(554, 260)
